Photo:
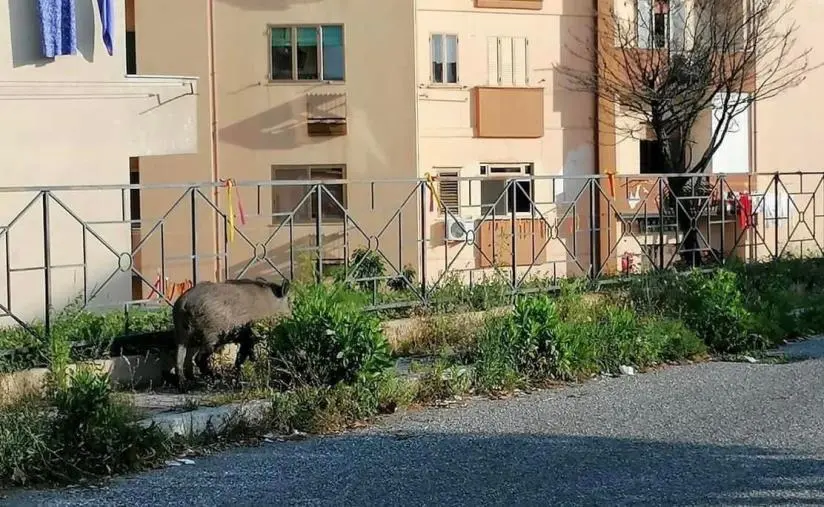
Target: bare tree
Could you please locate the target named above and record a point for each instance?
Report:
(666, 64)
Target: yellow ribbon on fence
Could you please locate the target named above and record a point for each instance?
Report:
(430, 183)
(231, 213)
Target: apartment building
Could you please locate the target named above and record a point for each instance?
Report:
(367, 91)
(75, 112)
(769, 136)
(362, 91)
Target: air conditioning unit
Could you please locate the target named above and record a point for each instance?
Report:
(457, 228)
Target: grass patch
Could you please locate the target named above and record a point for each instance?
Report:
(80, 431)
(454, 335)
(88, 335)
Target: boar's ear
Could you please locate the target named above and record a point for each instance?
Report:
(261, 279)
(283, 289)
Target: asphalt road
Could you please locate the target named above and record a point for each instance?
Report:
(710, 434)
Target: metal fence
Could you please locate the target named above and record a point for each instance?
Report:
(399, 240)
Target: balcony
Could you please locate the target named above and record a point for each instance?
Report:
(326, 114)
(533, 5)
(514, 113)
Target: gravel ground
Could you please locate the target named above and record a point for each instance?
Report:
(710, 434)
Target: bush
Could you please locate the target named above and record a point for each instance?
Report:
(677, 341)
(714, 308)
(81, 431)
(710, 304)
(329, 338)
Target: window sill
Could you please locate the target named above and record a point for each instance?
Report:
(325, 222)
(278, 82)
(444, 86)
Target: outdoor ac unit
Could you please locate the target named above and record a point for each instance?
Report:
(457, 228)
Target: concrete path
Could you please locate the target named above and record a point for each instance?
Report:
(709, 434)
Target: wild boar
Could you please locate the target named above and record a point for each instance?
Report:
(210, 315)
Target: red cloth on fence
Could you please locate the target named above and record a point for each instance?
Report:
(745, 211)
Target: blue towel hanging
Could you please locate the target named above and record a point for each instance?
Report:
(58, 27)
(107, 20)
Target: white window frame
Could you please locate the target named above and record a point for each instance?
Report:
(444, 36)
(524, 171)
(670, 23)
(294, 40)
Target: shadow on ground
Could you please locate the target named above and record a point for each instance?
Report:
(445, 469)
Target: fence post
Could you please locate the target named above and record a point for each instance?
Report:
(422, 242)
(194, 235)
(318, 228)
(776, 210)
(513, 268)
(661, 205)
(593, 233)
(46, 263)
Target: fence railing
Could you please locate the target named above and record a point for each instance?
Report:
(399, 240)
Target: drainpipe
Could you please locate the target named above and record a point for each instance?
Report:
(595, 245)
(210, 21)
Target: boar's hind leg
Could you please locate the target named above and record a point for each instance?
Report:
(246, 348)
(184, 366)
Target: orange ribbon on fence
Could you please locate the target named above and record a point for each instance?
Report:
(611, 179)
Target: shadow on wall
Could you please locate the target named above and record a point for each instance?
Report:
(279, 255)
(26, 38)
(277, 128)
(268, 5)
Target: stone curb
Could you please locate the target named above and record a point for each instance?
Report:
(217, 419)
(212, 419)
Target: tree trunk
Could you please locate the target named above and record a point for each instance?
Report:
(683, 187)
(686, 209)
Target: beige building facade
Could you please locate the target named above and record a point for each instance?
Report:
(384, 94)
(73, 120)
(381, 94)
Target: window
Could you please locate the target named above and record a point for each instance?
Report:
(444, 50)
(287, 198)
(507, 62)
(131, 53)
(661, 24)
(652, 160)
(307, 53)
(495, 193)
(449, 192)
(134, 193)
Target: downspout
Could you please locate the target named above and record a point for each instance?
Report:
(595, 245)
(213, 159)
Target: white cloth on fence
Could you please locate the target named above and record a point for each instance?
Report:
(765, 205)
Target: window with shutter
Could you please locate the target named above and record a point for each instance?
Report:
(493, 76)
(507, 61)
(519, 61)
(449, 192)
